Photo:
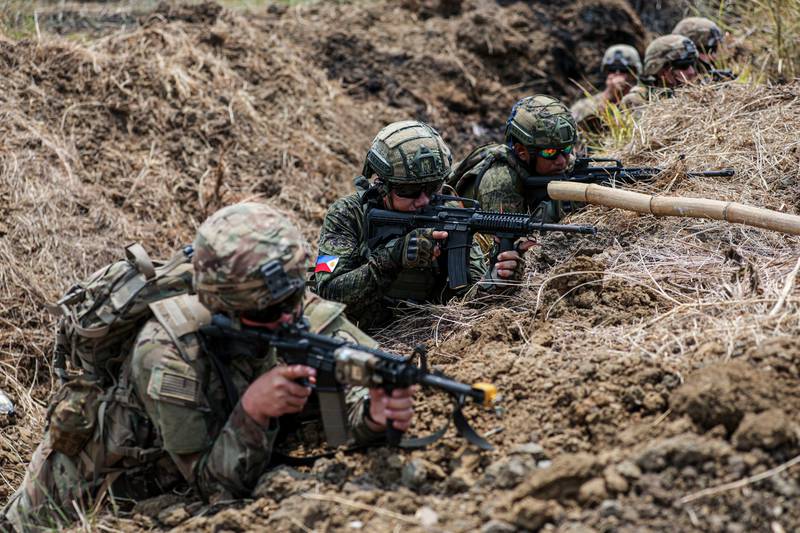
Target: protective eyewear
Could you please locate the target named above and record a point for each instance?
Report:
(683, 64)
(617, 67)
(274, 313)
(553, 153)
(414, 191)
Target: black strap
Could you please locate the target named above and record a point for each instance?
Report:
(231, 394)
(462, 426)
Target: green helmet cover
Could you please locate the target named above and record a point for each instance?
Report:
(408, 152)
(541, 121)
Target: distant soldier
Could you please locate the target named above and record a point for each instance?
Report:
(708, 38)
(189, 409)
(540, 139)
(669, 62)
(407, 163)
(622, 67)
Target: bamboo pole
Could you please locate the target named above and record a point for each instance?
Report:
(673, 206)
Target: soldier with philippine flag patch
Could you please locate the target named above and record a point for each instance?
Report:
(408, 162)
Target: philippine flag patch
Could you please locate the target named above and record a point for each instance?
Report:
(326, 263)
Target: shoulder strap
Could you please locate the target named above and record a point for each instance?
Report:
(180, 316)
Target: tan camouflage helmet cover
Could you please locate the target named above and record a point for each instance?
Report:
(667, 49)
(541, 121)
(248, 257)
(408, 152)
(704, 33)
(621, 57)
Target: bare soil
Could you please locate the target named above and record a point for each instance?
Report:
(659, 359)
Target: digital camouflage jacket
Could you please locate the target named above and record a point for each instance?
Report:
(496, 182)
(369, 282)
(167, 422)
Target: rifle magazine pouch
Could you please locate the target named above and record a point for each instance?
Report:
(74, 416)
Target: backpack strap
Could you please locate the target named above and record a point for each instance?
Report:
(136, 254)
(180, 316)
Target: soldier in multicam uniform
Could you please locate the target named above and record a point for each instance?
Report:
(214, 416)
(706, 36)
(669, 62)
(540, 140)
(622, 67)
(408, 162)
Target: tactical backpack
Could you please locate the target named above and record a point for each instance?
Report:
(469, 172)
(101, 315)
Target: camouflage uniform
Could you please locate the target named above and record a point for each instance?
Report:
(496, 181)
(369, 283)
(406, 154)
(169, 419)
(588, 111)
(658, 55)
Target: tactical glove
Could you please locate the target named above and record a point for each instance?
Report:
(415, 250)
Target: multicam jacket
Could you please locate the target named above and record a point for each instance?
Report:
(167, 422)
(368, 281)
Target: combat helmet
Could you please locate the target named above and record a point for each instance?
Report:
(622, 58)
(248, 257)
(541, 121)
(408, 152)
(704, 33)
(668, 49)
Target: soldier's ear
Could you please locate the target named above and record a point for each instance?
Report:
(522, 152)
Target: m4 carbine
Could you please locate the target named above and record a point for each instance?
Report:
(461, 224)
(340, 363)
(610, 171)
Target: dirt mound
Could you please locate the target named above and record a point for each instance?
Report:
(636, 368)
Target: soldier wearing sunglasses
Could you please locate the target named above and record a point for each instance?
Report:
(669, 62)
(540, 140)
(405, 166)
(621, 66)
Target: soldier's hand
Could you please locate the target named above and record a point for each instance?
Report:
(277, 393)
(509, 264)
(419, 249)
(399, 408)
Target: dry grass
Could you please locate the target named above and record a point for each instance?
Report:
(141, 134)
(718, 285)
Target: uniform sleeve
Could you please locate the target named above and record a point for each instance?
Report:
(355, 280)
(501, 191)
(227, 462)
(635, 98)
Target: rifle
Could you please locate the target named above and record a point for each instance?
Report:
(340, 363)
(722, 74)
(585, 172)
(461, 224)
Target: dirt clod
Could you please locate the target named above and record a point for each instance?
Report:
(766, 430)
(722, 393)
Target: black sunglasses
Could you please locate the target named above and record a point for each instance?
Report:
(414, 191)
(274, 313)
(682, 64)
